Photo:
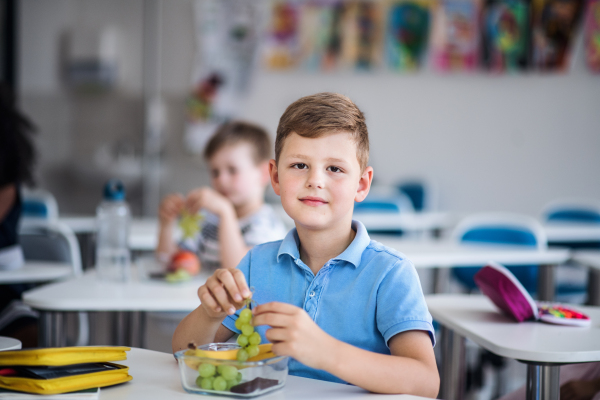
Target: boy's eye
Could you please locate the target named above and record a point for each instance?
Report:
(300, 166)
(232, 170)
(215, 173)
(334, 169)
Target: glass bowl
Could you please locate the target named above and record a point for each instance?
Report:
(243, 379)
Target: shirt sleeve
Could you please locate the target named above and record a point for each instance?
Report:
(400, 303)
(266, 227)
(229, 321)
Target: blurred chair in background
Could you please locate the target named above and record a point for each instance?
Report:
(421, 192)
(39, 203)
(377, 204)
(572, 210)
(500, 228)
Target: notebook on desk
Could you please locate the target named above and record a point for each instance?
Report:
(509, 295)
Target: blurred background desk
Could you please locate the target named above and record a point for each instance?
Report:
(568, 234)
(156, 376)
(446, 254)
(36, 271)
(8, 343)
(88, 293)
(590, 259)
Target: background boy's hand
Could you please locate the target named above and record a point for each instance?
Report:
(170, 208)
(208, 199)
(224, 293)
(579, 389)
(293, 333)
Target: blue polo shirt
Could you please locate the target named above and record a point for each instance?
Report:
(363, 297)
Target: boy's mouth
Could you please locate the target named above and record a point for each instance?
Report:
(313, 201)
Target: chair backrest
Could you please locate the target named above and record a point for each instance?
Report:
(49, 241)
(572, 210)
(501, 228)
(393, 204)
(421, 192)
(38, 203)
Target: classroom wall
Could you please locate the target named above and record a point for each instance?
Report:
(510, 142)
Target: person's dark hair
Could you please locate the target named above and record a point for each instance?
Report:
(322, 114)
(234, 132)
(17, 154)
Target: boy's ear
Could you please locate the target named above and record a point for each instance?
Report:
(364, 184)
(274, 177)
(265, 175)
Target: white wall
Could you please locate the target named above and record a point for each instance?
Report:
(490, 142)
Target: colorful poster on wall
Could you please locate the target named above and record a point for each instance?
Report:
(554, 22)
(282, 45)
(592, 35)
(455, 35)
(505, 31)
(227, 36)
(407, 33)
(362, 30)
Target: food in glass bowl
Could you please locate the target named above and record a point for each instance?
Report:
(213, 369)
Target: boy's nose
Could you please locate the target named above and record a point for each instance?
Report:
(315, 180)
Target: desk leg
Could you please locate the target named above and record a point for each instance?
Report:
(546, 282)
(50, 329)
(593, 289)
(441, 277)
(453, 365)
(543, 382)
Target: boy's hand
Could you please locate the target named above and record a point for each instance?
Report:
(293, 333)
(579, 389)
(170, 208)
(224, 293)
(208, 199)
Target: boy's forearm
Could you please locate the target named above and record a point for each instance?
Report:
(196, 327)
(231, 242)
(165, 245)
(381, 373)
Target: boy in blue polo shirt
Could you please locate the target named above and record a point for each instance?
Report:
(343, 307)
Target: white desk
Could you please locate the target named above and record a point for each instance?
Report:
(87, 293)
(156, 376)
(564, 232)
(446, 254)
(36, 271)
(417, 222)
(544, 347)
(590, 259)
(8, 343)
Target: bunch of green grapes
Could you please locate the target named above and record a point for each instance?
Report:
(220, 378)
(248, 339)
(189, 224)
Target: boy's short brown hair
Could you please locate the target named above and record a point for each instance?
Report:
(321, 114)
(235, 132)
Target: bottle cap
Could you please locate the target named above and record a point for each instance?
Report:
(114, 190)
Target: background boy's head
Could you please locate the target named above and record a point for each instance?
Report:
(321, 114)
(238, 155)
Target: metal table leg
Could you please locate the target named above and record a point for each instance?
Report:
(546, 282)
(543, 381)
(50, 329)
(453, 365)
(593, 289)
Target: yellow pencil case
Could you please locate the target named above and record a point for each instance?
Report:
(56, 356)
(117, 374)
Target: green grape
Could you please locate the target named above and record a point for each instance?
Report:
(206, 383)
(219, 383)
(206, 370)
(220, 369)
(239, 377)
(229, 372)
(231, 383)
(247, 329)
(242, 340)
(252, 350)
(239, 323)
(254, 338)
(245, 315)
(189, 224)
(242, 355)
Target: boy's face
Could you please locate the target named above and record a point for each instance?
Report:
(235, 175)
(319, 179)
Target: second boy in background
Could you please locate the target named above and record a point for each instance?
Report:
(236, 217)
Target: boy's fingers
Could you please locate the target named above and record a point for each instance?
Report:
(220, 295)
(240, 280)
(230, 284)
(276, 307)
(207, 300)
(273, 319)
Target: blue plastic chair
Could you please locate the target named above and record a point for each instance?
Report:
(580, 211)
(388, 204)
(500, 228)
(38, 204)
(421, 193)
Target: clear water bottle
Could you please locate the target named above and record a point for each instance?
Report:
(113, 218)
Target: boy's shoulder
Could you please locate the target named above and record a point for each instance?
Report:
(378, 250)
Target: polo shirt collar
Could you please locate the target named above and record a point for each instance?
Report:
(352, 254)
